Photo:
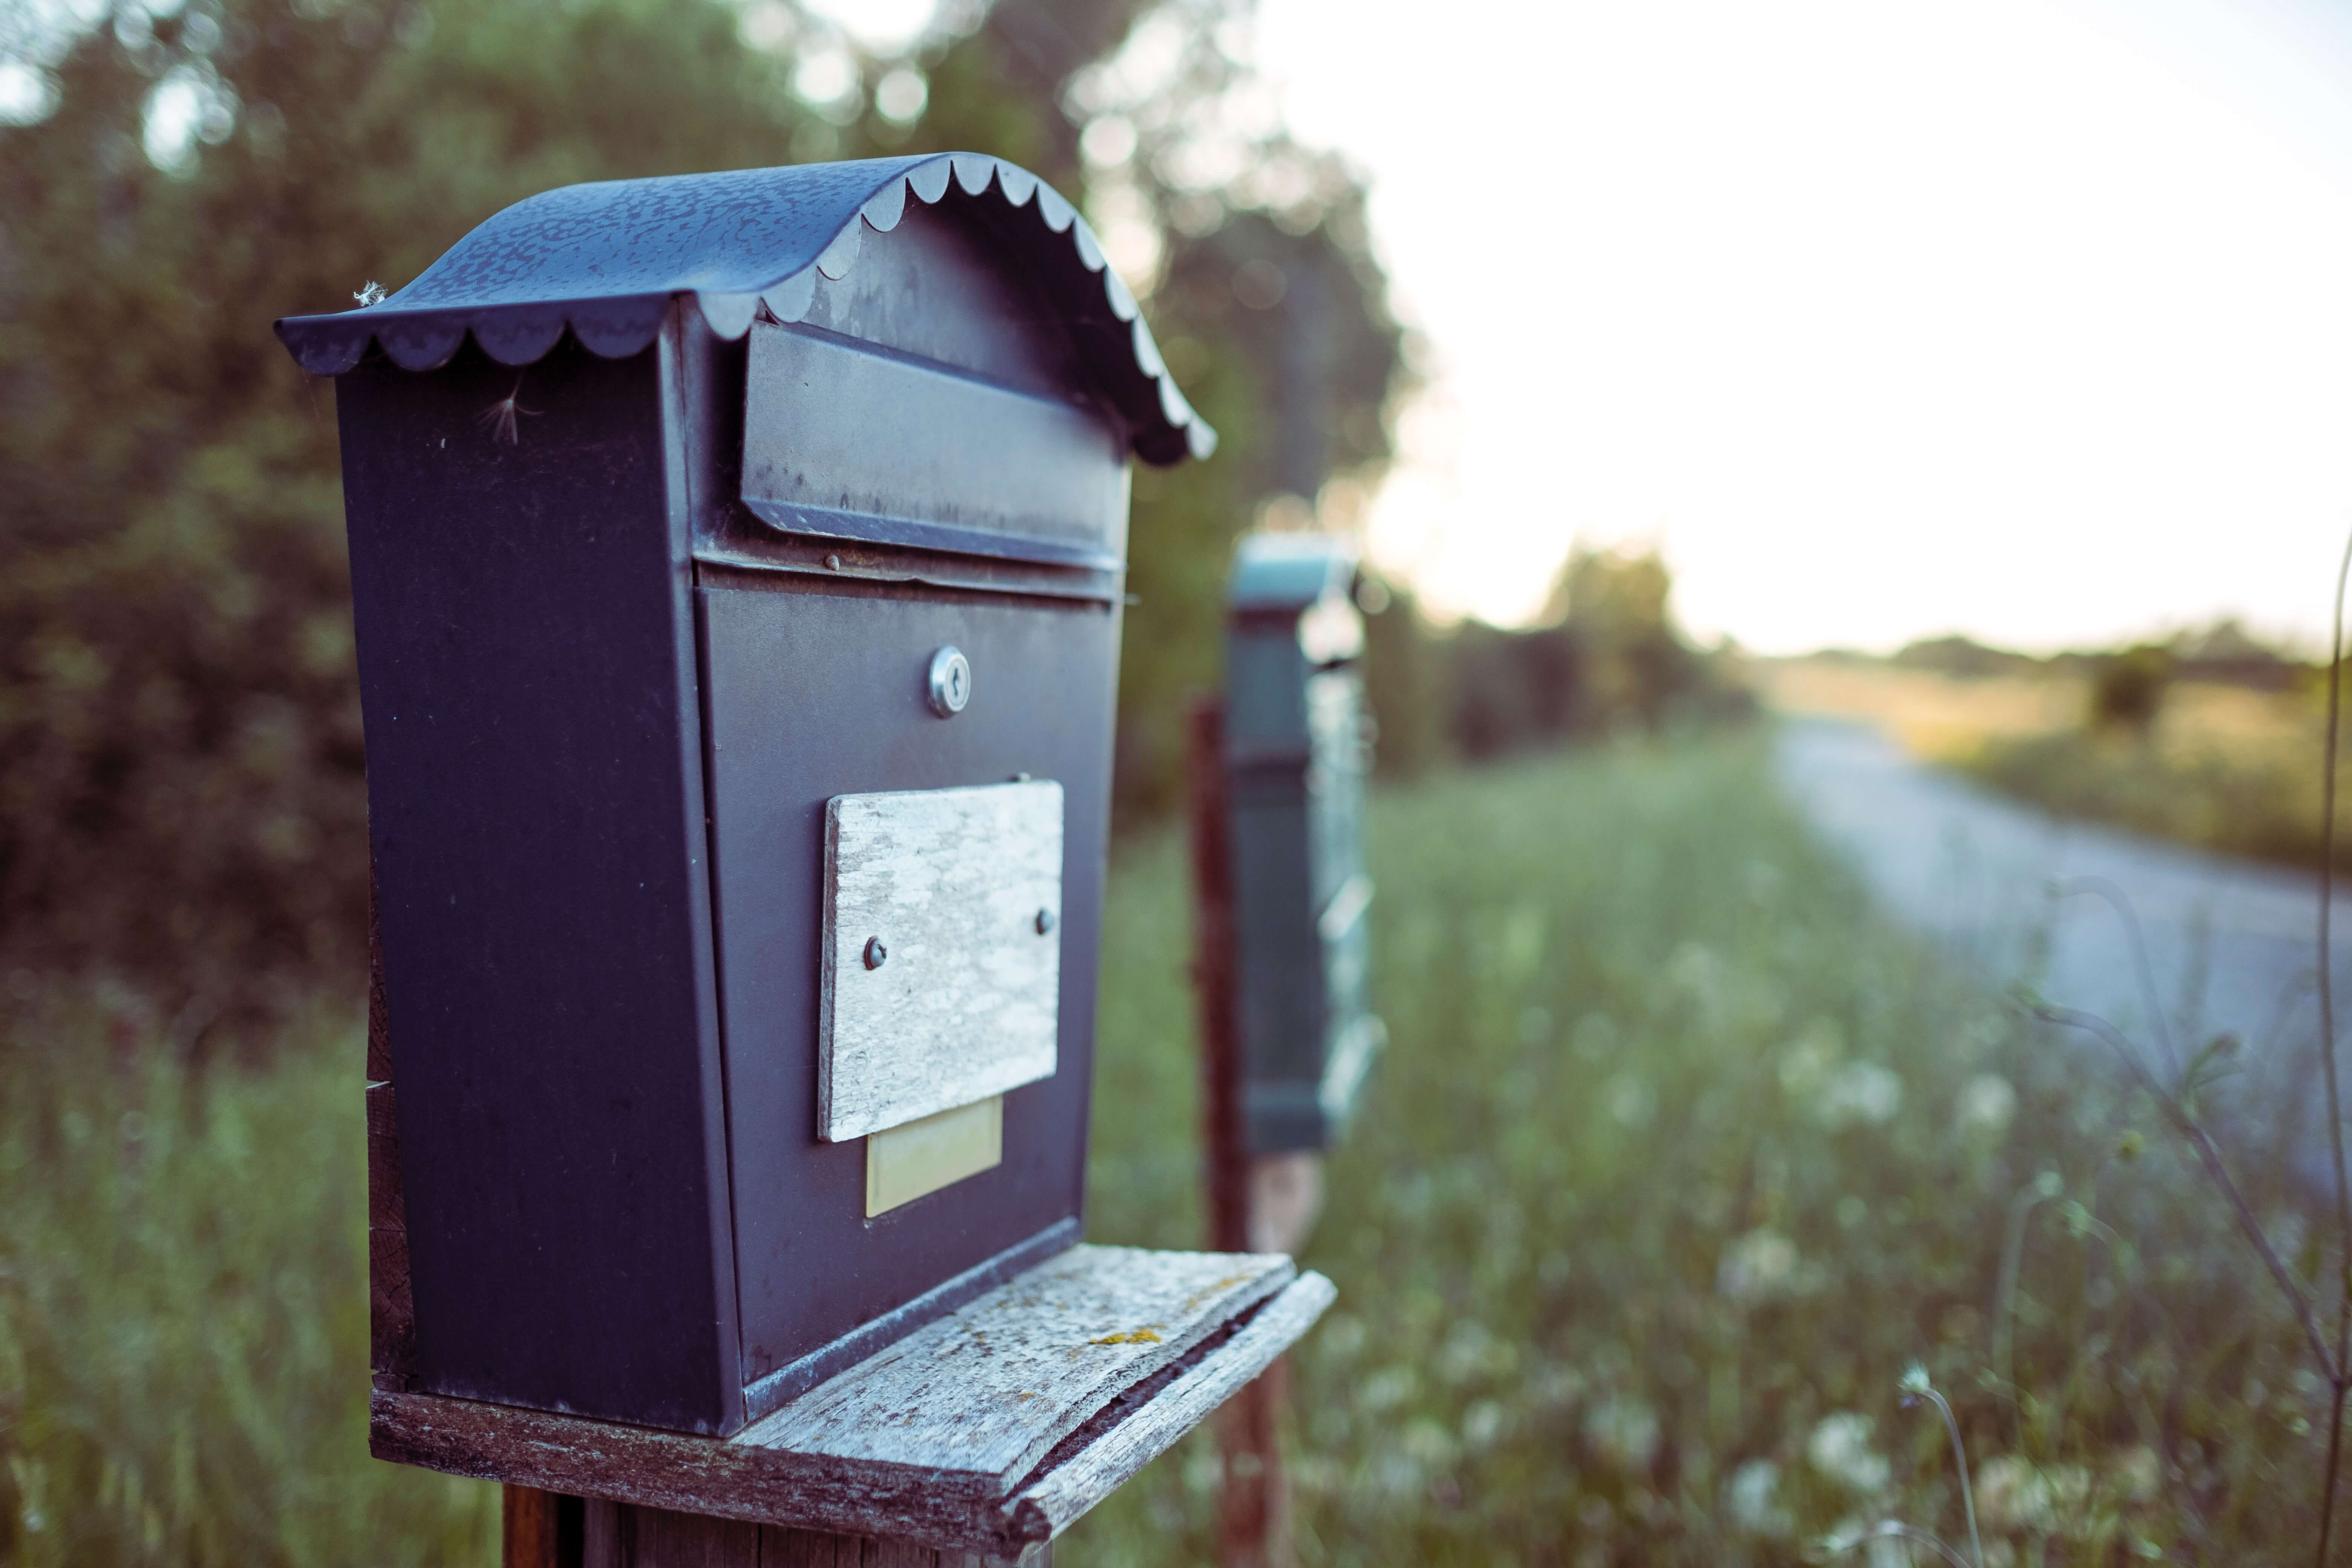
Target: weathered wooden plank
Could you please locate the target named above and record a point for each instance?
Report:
(942, 951)
(656, 1469)
(1048, 1505)
(933, 1486)
(989, 1389)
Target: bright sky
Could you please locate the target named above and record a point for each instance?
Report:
(2026, 317)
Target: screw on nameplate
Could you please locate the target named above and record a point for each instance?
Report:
(950, 679)
(1044, 922)
(875, 953)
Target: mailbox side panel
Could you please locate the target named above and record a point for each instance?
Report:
(527, 669)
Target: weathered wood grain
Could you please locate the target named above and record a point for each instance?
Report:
(951, 884)
(989, 1389)
(537, 1530)
(1048, 1505)
(622, 1535)
(943, 1451)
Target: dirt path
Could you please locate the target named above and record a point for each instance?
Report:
(2231, 942)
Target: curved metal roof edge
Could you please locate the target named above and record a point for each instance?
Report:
(448, 301)
(1289, 571)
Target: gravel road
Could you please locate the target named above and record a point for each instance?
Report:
(2231, 941)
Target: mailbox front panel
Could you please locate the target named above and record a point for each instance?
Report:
(815, 689)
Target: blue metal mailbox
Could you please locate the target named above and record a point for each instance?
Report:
(1297, 749)
(738, 562)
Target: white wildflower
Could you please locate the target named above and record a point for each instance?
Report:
(1986, 1105)
(1623, 1432)
(1752, 1499)
(1431, 1446)
(1482, 1423)
(1757, 1266)
(1386, 1389)
(1861, 1091)
(2015, 1494)
(1806, 1062)
(1840, 1448)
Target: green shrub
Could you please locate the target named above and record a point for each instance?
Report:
(2127, 689)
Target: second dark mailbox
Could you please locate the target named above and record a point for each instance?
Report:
(1297, 749)
(738, 562)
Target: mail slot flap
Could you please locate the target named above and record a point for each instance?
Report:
(844, 440)
(942, 951)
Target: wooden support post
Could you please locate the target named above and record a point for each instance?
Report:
(1254, 1522)
(1225, 1153)
(546, 1530)
(538, 1530)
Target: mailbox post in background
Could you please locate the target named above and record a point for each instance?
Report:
(1298, 748)
(1281, 900)
(738, 562)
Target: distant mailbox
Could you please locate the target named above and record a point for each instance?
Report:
(738, 562)
(1297, 744)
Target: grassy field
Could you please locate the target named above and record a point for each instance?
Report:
(2223, 767)
(1678, 1158)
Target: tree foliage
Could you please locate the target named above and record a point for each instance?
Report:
(1607, 656)
(180, 760)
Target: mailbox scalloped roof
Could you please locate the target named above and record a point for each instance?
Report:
(1289, 571)
(605, 259)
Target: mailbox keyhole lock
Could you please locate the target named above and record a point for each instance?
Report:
(1044, 922)
(950, 677)
(875, 953)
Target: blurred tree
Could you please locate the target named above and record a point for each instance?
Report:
(180, 757)
(1404, 679)
(1634, 661)
(181, 790)
(1605, 655)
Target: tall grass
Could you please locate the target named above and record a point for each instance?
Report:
(182, 1305)
(1679, 1157)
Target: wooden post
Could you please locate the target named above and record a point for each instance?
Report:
(1226, 1157)
(546, 1530)
(1254, 1522)
(538, 1530)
